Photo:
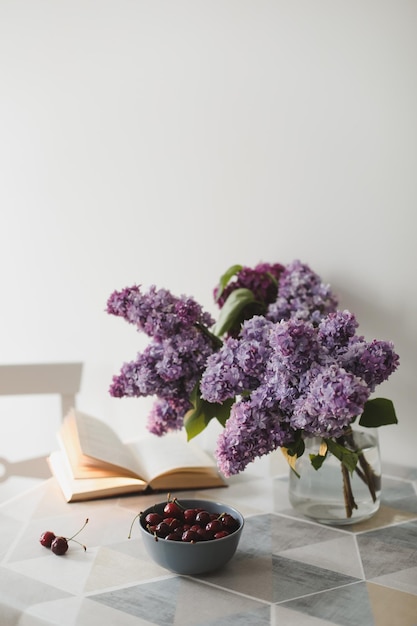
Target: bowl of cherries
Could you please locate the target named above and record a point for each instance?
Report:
(191, 536)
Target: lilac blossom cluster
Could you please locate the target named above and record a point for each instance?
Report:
(292, 376)
(172, 363)
(291, 364)
(158, 313)
(301, 294)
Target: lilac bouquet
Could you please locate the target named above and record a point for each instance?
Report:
(280, 364)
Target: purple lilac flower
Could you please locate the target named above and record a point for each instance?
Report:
(239, 364)
(295, 345)
(282, 386)
(158, 313)
(301, 294)
(222, 377)
(165, 367)
(249, 433)
(139, 378)
(336, 330)
(300, 367)
(261, 280)
(333, 399)
(372, 361)
(253, 346)
(171, 365)
(316, 378)
(167, 415)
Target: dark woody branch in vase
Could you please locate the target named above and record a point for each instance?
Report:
(365, 473)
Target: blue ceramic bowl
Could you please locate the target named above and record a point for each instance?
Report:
(192, 558)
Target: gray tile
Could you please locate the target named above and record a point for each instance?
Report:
(405, 580)
(293, 578)
(155, 602)
(289, 533)
(257, 617)
(272, 534)
(275, 578)
(400, 536)
(252, 576)
(388, 550)
(339, 555)
(256, 536)
(182, 601)
(346, 606)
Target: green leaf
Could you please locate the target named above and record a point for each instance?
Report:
(234, 269)
(197, 418)
(230, 313)
(347, 457)
(317, 460)
(297, 447)
(378, 412)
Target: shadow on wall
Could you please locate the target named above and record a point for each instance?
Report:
(32, 468)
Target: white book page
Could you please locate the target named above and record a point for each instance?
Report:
(87, 488)
(99, 441)
(159, 455)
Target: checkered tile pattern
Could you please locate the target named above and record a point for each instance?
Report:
(287, 570)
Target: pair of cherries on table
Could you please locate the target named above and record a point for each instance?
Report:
(58, 544)
(189, 525)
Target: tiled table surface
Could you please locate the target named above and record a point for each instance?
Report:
(287, 570)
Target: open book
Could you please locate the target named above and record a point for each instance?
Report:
(94, 463)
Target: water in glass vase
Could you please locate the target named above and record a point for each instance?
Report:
(333, 495)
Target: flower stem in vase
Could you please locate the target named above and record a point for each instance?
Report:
(350, 503)
(368, 476)
(363, 469)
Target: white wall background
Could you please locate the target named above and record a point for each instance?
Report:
(162, 141)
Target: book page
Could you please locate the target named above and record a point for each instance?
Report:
(90, 488)
(100, 443)
(167, 454)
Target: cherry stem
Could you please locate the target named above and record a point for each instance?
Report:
(131, 526)
(79, 543)
(78, 531)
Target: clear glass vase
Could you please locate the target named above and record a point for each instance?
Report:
(332, 494)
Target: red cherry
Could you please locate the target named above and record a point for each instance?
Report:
(202, 534)
(190, 515)
(47, 538)
(153, 519)
(221, 534)
(162, 530)
(173, 537)
(229, 522)
(171, 509)
(172, 522)
(203, 517)
(59, 546)
(213, 527)
(195, 528)
(189, 536)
